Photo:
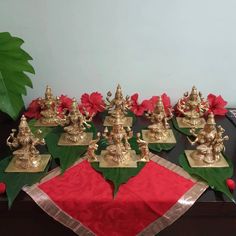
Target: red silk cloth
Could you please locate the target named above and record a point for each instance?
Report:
(86, 196)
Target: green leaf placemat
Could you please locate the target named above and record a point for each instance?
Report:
(182, 130)
(15, 181)
(67, 155)
(118, 176)
(45, 130)
(158, 147)
(215, 177)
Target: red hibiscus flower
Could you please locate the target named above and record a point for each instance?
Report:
(65, 103)
(33, 110)
(136, 108)
(165, 99)
(93, 103)
(216, 105)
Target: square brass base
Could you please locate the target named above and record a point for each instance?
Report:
(38, 123)
(201, 164)
(128, 121)
(183, 124)
(85, 141)
(109, 163)
(170, 138)
(44, 161)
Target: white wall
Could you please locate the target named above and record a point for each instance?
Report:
(148, 46)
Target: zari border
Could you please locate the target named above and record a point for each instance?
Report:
(52, 209)
(177, 210)
(182, 205)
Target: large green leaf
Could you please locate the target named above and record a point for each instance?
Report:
(185, 131)
(215, 177)
(44, 129)
(67, 155)
(13, 80)
(118, 176)
(15, 181)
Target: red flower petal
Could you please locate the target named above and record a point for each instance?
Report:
(217, 104)
(93, 103)
(231, 184)
(33, 110)
(134, 98)
(136, 108)
(2, 187)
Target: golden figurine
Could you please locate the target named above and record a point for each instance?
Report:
(143, 146)
(93, 146)
(75, 125)
(159, 131)
(193, 107)
(49, 109)
(118, 152)
(26, 157)
(117, 108)
(210, 144)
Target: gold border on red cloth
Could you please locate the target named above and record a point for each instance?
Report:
(176, 211)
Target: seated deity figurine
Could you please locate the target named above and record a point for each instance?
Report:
(117, 107)
(75, 125)
(159, 129)
(26, 155)
(118, 145)
(192, 107)
(49, 109)
(210, 142)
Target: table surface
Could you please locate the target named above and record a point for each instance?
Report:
(211, 211)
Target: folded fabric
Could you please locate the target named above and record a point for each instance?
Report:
(82, 199)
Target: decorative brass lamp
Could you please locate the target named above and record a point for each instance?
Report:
(75, 125)
(159, 131)
(118, 152)
(26, 157)
(192, 106)
(49, 109)
(210, 144)
(117, 108)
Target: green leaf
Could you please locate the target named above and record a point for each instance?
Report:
(13, 80)
(15, 181)
(185, 131)
(215, 177)
(44, 129)
(67, 155)
(158, 147)
(118, 176)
